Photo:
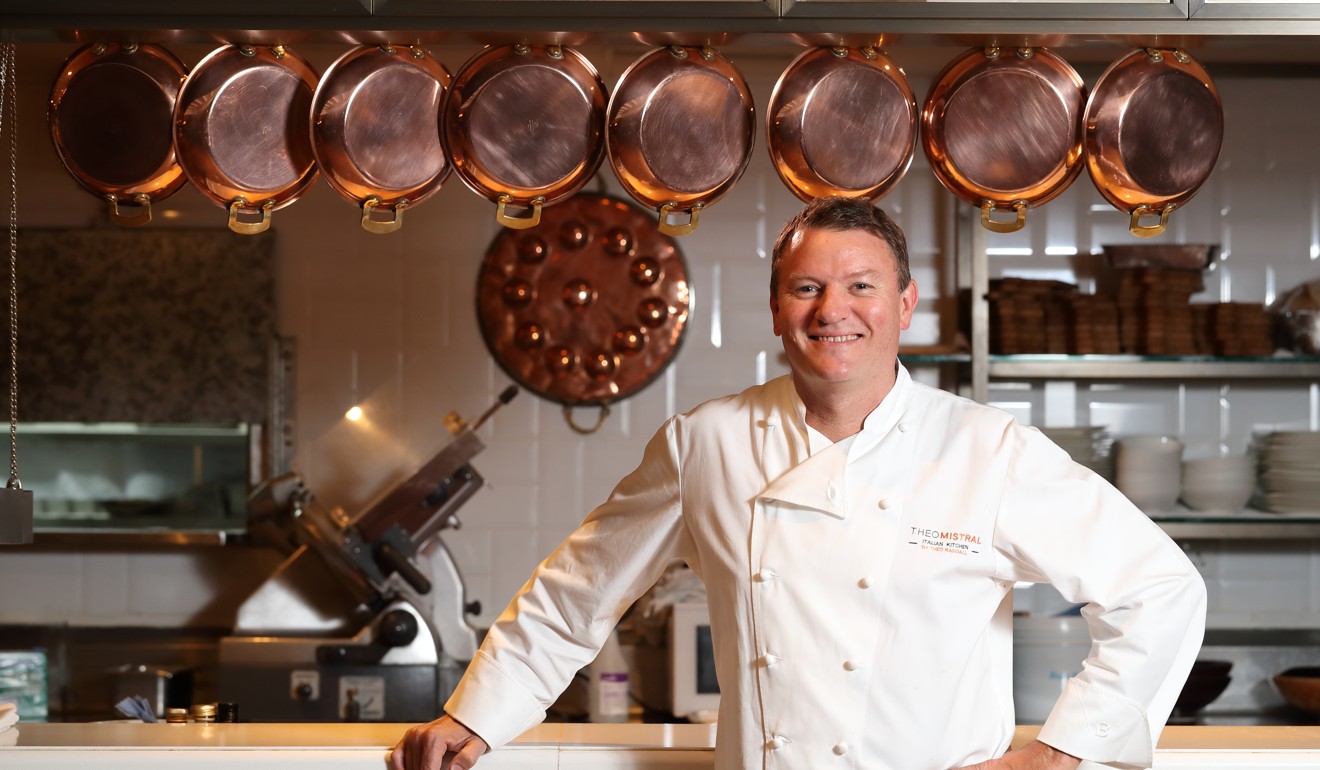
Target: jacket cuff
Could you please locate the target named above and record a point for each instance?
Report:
(491, 704)
(1095, 725)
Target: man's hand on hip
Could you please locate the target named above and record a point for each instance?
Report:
(1033, 756)
(424, 747)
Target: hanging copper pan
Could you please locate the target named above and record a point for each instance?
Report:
(1154, 126)
(586, 308)
(110, 113)
(242, 133)
(680, 131)
(842, 121)
(376, 130)
(1003, 130)
(524, 127)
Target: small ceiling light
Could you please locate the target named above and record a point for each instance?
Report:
(354, 413)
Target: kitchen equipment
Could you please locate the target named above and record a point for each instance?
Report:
(1218, 483)
(366, 617)
(110, 118)
(1179, 256)
(588, 307)
(842, 121)
(1047, 652)
(1288, 470)
(1300, 686)
(1207, 680)
(680, 132)
(376, 130)
(1297, 318)
(15, 502)
(524, 127)
(1154, 125)
(1148, 470)
(1002, 130)
(161, 687)
(242, 132)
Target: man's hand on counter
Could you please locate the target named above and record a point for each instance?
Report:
(1033, 756)
(424, 747)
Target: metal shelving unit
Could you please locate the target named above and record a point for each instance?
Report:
(1151, 367)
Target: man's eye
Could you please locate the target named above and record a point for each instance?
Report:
(806, 290)
(861, 286)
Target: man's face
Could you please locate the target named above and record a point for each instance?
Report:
(839, 309)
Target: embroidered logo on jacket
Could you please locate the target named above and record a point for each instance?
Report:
(945, 541)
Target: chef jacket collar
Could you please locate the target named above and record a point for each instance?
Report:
(875, 427)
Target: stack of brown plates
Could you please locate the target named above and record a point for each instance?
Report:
(1093, 325)
(1028, 316)
(1155, 309)
(1240, 329)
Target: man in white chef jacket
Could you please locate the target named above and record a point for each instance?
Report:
(859, 535)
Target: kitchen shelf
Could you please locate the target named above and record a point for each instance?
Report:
(1240, 525)
(1128, 367)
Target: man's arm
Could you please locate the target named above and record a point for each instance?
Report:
(424, 747)
(1033, 756)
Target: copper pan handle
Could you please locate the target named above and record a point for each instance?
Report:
(600, 419)
(518, 223)
(1148, 231)
(988, 206)
(675, 229)
(381, 226)
(143, 216)
(249, 228)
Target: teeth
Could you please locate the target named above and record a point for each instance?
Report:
(843, 338)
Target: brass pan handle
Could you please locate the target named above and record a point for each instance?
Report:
(600, 420)
(1148, 231)
(381, 226)
(143, 216)
(988, 206)
(249, 227)
(518, 223)
(676, 229)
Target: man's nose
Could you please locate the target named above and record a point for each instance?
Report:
(832, 306)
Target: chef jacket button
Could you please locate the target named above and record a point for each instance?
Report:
(902, 427)
(769, 659)
(840, 748)
(765, 575)
(864, 583)
(777, 742)
(883, 503)
(850, 665)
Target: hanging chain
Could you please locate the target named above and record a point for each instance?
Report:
(10, 88)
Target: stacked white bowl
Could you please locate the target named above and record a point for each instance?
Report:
(1218, 483)
(1148, 469)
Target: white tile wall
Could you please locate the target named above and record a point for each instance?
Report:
(389, 322)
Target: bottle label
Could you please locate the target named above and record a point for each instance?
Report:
(613, 694)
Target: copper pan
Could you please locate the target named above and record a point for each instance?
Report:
(376, 130)
(842, 121)
(1003, 130)
(586, 308)
(524, 127)
(110, 113)
(1154, 126)
(680, 132)
(242, 133)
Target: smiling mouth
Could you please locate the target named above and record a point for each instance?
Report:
(837, 338)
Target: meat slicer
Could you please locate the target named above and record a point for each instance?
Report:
(366, 617)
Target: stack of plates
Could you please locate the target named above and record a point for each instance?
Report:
(1148, 469)
(1289, 471)
(1088, 445)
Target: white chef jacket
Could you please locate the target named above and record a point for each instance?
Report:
(860, 596)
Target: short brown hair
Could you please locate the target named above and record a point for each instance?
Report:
(842, 214)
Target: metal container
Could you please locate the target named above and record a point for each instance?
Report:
(162, 687)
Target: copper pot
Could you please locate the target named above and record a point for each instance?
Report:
(588, 307)
(242, 132)
(680, 132)
(1154, 126)
(524, 127)
(1002, 130)
(376, 130)
(842, 121)
(110, 116)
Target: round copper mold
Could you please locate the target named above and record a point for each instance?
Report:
(110, 114)
(524, 127)
(590, 334)
(1002, 129)
(376, 130)
(842, 121)
(680, 131)
(242, 132)
(1154, 126)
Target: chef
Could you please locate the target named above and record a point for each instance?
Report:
(859, 535)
